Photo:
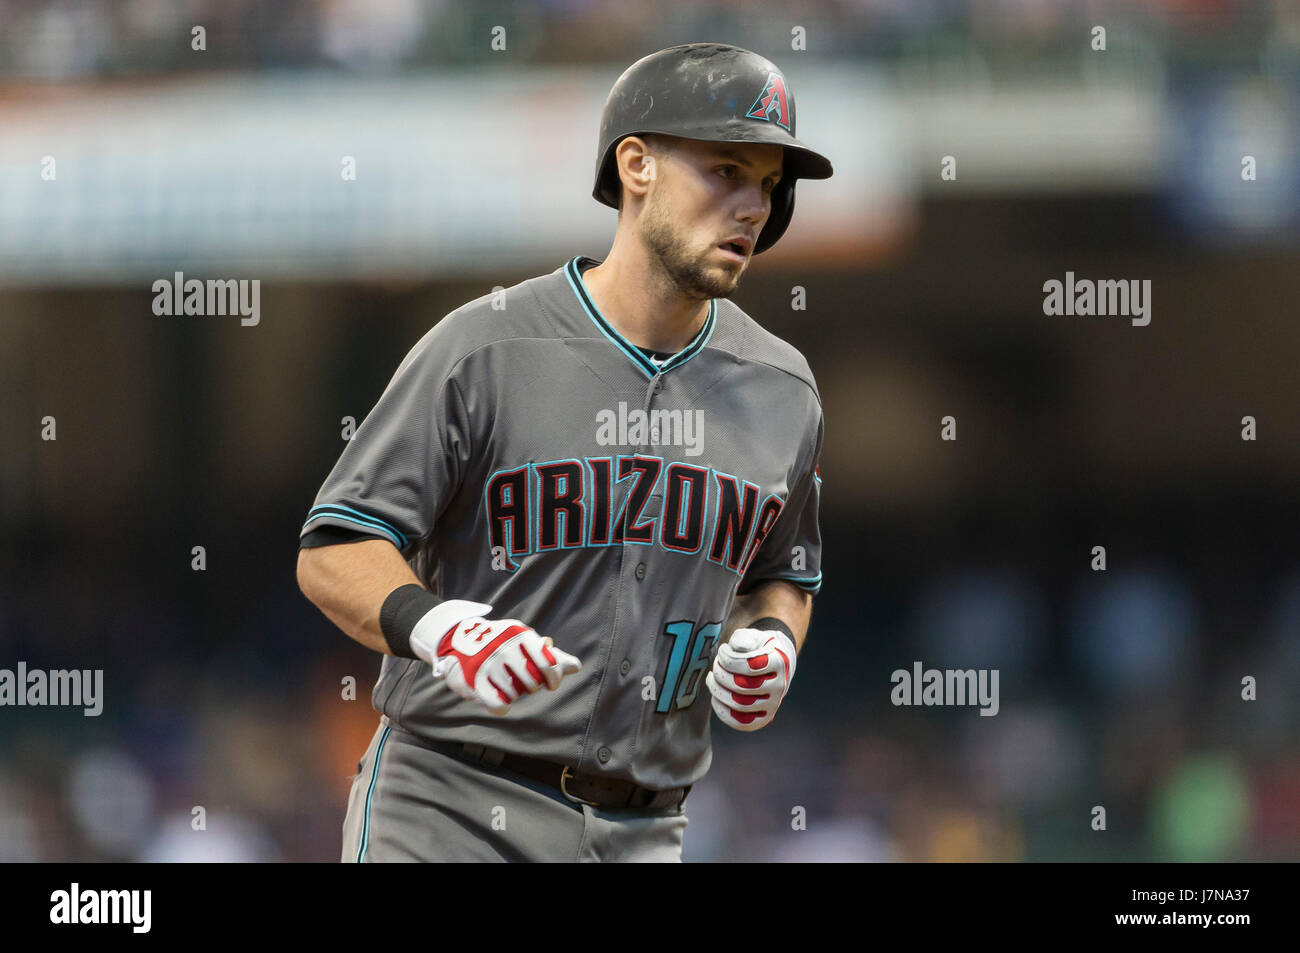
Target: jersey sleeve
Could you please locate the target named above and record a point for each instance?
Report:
(333, 535)
(405, 462)
(792, 551)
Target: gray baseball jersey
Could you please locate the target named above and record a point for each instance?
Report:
(527, 456)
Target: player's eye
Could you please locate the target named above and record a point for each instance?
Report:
(730, 171)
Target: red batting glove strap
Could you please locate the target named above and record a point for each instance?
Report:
(469, 664)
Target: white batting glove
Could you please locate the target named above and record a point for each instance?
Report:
(490, 661)
(751, 674)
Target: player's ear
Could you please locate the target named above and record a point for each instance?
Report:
(637, 167)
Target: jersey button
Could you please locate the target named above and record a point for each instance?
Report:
(604, 754)
(659, 385)
(640, 571)
(623, 669)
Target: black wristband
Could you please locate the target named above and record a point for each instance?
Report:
(772, 622)
(404, 606)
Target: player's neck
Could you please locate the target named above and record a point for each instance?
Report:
(641, 306)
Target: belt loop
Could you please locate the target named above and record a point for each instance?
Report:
(473, 751)
(493, 756)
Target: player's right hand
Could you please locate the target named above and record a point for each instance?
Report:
(496, 661)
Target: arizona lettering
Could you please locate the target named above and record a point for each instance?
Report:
(637, 499)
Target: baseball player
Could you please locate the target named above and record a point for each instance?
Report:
(584, 511)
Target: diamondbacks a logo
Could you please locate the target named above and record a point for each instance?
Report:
(773, 103)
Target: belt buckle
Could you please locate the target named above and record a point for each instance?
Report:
(564, 777)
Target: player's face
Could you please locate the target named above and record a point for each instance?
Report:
(705, 196)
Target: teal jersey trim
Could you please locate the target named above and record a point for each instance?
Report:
(348, 514)
(647, 366)
(811, 585)
(370, 794)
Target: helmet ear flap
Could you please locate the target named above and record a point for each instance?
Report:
(778, 219)
(608, 187)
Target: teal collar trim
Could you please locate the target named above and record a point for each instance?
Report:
(647, 366)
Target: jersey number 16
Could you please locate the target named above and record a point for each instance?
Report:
(687, 663)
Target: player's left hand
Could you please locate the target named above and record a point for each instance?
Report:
(751, 674)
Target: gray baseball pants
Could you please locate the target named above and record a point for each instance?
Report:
(411, 803)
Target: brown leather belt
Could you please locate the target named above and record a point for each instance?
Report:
(578, 789)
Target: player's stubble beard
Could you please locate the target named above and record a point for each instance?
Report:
(694, 278)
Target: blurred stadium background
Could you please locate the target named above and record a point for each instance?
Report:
(1119, 689)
